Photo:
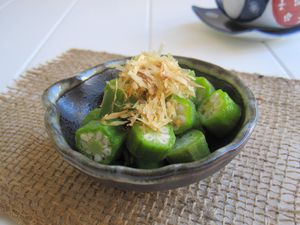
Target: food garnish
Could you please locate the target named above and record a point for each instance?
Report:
(150, 79)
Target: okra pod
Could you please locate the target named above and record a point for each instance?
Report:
(129, 160)
(145, 143)
(113, 98)
(190, 147)
(185, 114)
(204, 91)
(191, 72)
(219, 113)
(92, 115)
(198, 124)
(100, 142)
(146, 164)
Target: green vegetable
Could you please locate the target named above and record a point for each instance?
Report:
(113, 98)
(190, 72)
(149, 149)
(185, 114)
(129, 160)
(219, 113)
(190, 147)
(100, 142)
(203, 92)
(198, 123)
(145, 164)
(145, 143)
(92, 115)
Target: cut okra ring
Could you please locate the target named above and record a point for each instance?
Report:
(219, 113)
(190, 147)
(203, 92)
(185, 114)
(145, 143)
(100, 142)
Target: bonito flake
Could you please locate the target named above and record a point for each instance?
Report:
(149, 80)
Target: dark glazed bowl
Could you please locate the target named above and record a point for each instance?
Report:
(68, 101)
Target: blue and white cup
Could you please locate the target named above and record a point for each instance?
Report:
(271, 14)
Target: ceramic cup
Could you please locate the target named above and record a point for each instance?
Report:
(271, 14)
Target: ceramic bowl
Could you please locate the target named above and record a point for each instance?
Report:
(68, 101)
(216, 19)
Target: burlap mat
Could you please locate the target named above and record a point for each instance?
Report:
(260, 186)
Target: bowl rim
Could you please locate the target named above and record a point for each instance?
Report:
(130, 175)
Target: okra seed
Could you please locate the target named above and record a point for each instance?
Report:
(149, 137)
(105, 141)
(99, 137)
(89, 136)
(164, 130)
(84, 145)
(85, 137)
(181, 118)
(97, 157)
(88, 152)
(106, 150)
(180, 109)
(164, 138)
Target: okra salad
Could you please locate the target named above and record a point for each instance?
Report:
(154, 114)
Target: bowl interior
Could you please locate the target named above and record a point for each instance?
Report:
(77, 102)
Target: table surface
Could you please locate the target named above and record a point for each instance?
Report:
(35, 31)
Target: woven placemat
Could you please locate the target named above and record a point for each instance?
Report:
(260, 186)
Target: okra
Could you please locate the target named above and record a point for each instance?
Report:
(191, 72)
(146, 164)
(190, 147)
(198, 123)
(129, 160)
(100, 142)
(204, 91)
(219, 113)
(145, 143)
(113, 98)
(92, 115)
(185, 114)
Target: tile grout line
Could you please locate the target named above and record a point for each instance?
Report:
(6, 4)
(149, 23)
(278, 60)
(45, 39)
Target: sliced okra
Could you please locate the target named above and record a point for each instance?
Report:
(198, 124)
(92, 115)
(145, 143)
(189, 147)
(185, 114)
(219, 113)
(148, 164)
(129, 160)
(113, 98)
(204, 91)
(100, 142)
(190, 72)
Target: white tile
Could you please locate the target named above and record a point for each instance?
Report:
(4, 3)
(116, 26)
(182, 33)
(287, 52)
(24, 25)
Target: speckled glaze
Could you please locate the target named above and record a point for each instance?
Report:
(68, 101)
